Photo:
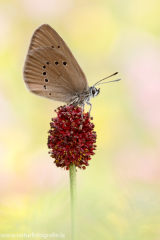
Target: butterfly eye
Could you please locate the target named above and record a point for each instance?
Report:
(93, 91)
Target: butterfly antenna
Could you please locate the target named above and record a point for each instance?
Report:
(98, 83)
(109, 81)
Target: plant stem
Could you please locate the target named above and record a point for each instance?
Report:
(72, 171)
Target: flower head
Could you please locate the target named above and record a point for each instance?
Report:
(71, 138)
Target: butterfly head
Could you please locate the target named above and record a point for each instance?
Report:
(94, 91)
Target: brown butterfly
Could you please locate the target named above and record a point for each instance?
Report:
(51, 71)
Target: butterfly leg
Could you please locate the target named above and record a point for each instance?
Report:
(81, 125)
(82, 112)
(90, 106)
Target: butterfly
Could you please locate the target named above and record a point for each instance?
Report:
(51, 70)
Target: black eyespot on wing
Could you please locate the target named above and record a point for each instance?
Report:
(47, 63)
(52, 46)
(58, 46)
(44, 73)
(46, 80)
(56, 63)
(49, 93)
(64, 63)
(44, 66)
(44, 86)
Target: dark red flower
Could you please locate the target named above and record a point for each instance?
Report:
(71, 139)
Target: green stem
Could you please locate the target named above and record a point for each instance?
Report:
(72, 171)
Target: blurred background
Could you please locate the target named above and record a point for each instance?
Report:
(118, 195)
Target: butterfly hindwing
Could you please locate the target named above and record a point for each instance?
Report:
(48, 73)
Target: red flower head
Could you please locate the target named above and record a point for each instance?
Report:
(71, 139)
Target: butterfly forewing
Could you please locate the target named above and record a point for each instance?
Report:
(47, 36)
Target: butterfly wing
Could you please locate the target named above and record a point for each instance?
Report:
(47, 36)
(49, 73)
